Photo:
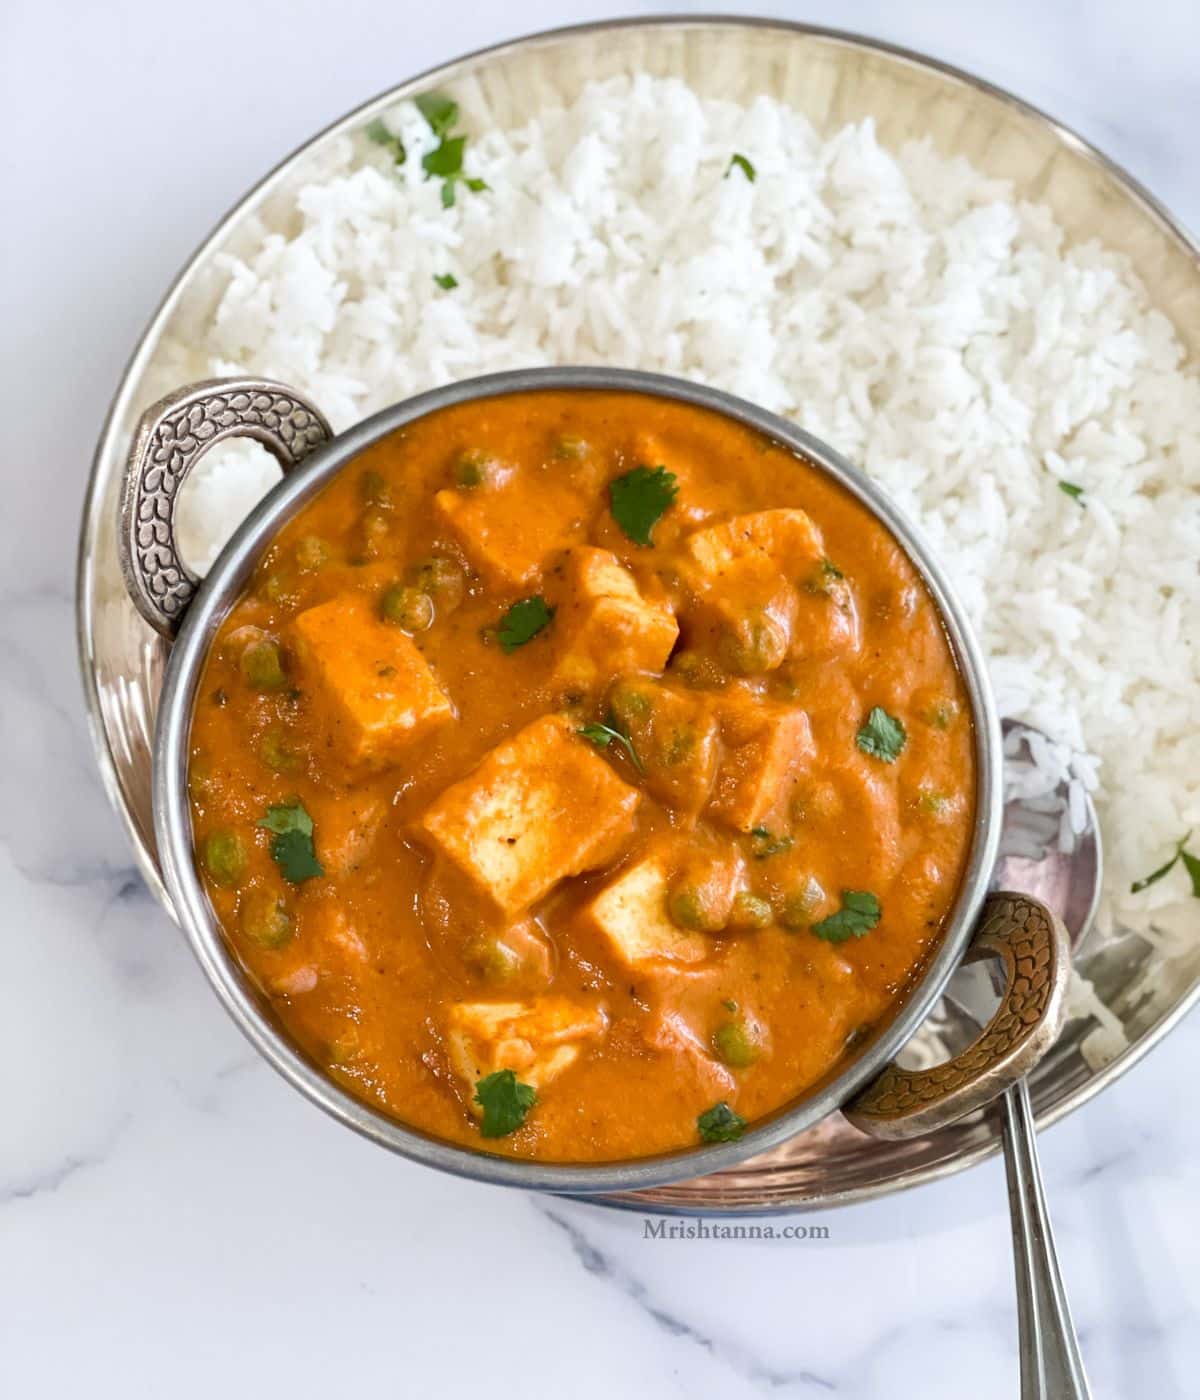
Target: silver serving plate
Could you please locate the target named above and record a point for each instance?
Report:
(834, 78)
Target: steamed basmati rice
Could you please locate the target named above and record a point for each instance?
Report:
(899, 305)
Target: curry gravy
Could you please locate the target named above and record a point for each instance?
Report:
(480, 782)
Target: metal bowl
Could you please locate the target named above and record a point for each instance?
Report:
(833, 78)
(172, 438)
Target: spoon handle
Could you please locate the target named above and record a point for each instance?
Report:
(1051, 1364)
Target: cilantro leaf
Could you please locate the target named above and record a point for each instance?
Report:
(445, 161)
(440, 112)
(446, 158)
(522, 622)
(763, 844)
(602, 736)
(882, 736)
(1068, 488)
(744, 165)
(639, 500)
(288, 816)
(505, 1102)
(859, 914)
(377, 132)
(1191, 864)
(446, 280)
(720, 1124)
(292, 847)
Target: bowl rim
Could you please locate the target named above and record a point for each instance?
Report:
(172, 816)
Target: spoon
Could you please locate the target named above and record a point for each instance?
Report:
(1068, 883)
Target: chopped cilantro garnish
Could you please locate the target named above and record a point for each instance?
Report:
(440, 112)
(720, 1124)
(445, 161)
(603, 734)
(505, 1102)
(1068, 488)
(882, 736)
(522, 622)
(743, 165)
(292, 845)
(446, 280)
(639, 500)
(1191, 864)
(377, 132)
(763, 844)
(859, 914)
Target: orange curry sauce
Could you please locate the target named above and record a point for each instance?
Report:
(637, 941)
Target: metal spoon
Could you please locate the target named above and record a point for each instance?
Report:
(1068, 882)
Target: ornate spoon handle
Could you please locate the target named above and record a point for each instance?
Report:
(1051, 1364)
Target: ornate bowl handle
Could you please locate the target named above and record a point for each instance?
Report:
(172, 435)
(1036, 951)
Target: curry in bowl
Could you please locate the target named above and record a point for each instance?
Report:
(582, 775)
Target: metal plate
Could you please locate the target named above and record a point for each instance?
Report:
(834, 78)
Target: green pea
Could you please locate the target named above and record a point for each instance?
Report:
(277, 753)
(442, 579)
(408, 608)
(941, 714)
(680, 745)
(473, 468)
(278, 587)
(492, 958)
(373, 532)
(224, 857)
(312, 553)
(696, 670)
(374, 489)
(736, 1044)
(630, 703)
(753, 646)
(751, 911)
(691, 907)
(265, 920)
(262, 666)
(800, 904)
(568, 446)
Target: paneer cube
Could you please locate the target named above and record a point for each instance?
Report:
(506, 532)
(767, 746)
(604, 625)
(674, 733)
(542, 806)
(631, 915)
(536, 1039)
(787, 537)
(370, 690)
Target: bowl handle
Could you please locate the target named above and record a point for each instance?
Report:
(172, 435)
(1036, 952)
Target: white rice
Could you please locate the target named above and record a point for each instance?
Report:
(899, 305)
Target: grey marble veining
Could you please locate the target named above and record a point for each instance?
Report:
(172, 1219)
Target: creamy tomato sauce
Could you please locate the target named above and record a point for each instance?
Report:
(581, 775)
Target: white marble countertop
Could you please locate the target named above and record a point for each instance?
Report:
(173, 1220)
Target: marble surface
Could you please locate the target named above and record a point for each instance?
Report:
(173, 1219)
